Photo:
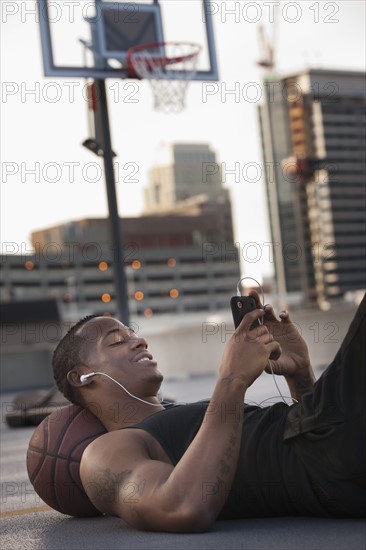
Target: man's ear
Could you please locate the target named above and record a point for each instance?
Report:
(73, 377)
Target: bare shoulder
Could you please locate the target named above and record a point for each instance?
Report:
(110, 459)
(118, 468)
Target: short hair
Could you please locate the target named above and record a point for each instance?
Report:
(65, 357)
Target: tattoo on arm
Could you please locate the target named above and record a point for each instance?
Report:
(228, 380)
(225, 468)
(301, 385)
(106, 488)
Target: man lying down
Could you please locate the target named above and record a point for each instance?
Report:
(181, 467)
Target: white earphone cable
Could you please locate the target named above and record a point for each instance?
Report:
(125, 389)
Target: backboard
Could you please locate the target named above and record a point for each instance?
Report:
(90, 39)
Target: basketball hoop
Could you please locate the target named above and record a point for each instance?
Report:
(169, 66)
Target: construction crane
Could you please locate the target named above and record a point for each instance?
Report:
(267, 44)
(267, 60)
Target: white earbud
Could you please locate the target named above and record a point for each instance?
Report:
(85, 377)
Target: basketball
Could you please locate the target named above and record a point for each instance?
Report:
(53, 459)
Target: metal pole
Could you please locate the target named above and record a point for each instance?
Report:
(104, 140)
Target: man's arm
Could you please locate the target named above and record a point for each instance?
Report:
(189, 496)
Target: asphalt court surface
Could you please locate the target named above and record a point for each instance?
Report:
(27, 523)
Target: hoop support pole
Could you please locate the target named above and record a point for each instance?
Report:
(104, 138)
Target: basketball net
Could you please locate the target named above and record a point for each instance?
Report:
(169, 67)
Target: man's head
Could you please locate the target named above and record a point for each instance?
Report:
(66, 357)
(105, 345)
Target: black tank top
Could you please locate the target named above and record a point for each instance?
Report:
(269, 481)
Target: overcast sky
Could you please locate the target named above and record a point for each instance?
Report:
(49, 178)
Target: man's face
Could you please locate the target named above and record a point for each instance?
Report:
(114, 349)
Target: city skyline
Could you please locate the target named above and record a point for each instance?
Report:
(49, 178)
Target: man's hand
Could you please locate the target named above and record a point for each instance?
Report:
(294, 363)
(247, 352)
(295, 355)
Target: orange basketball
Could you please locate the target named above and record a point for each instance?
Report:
(53, 459)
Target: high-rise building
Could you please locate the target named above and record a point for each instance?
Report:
(182, 171)
(313, 141)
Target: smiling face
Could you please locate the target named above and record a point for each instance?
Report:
(112, 348)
